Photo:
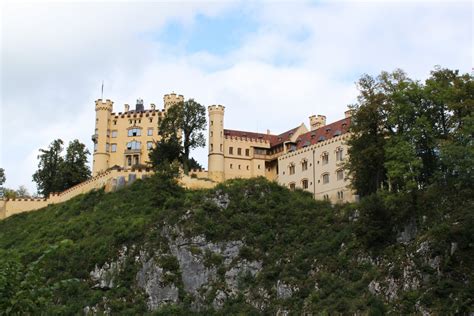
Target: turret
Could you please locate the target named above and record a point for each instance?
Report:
(170, 99)
(103, 110)
(317, 121)
(216, 143)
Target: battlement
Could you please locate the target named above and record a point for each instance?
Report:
(216, 108)
(101, 104)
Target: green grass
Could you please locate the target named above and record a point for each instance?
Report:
(297, 239)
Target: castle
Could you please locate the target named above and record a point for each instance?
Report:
(123, 139)
(310, 160)
(298, 158)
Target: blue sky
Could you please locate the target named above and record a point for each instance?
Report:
(272, 64)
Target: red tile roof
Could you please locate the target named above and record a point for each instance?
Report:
(274, 140)
(325, 132)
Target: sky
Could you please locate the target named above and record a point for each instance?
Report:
(271, 64)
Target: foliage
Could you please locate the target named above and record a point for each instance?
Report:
(2, 176)
(74, 168)
(408, 135)
(183, 124)
(56, 173)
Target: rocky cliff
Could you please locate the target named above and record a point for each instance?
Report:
(248, 247)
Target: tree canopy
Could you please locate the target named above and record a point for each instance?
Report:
(57, 173)
(180, 131)
(408, 134)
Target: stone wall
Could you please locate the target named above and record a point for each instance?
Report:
(111, 180)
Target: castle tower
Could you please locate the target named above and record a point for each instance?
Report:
(103, 109)
(216, 143)
(170, 99)
(316, 121)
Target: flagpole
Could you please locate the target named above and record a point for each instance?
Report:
(102, 93)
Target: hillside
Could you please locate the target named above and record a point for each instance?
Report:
(247, 246)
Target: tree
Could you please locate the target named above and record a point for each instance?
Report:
(366, 148)
(22, 192)
(48, 177)
(2, 176)
(56, 173)
(184, 122)
(74, 168)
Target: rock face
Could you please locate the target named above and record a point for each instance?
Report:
(151, 278)
(197, 274)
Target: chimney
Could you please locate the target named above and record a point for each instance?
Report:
(139, 106)
(268, 132)
(317, 121)
(348, 113)
(127, 108)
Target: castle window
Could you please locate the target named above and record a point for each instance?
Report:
(292, 186)
(231, 150)
(340, 195)
(114, 148)
(149, 145)
(210, 133)
(239, 167)
(326, 197)
(129, 160)
(247, 152)
(107, 146)
(134, 132)
(339, 154)
(134, 145)
(115, 122)
(212, 123)
(304, 165)
(340, 174)
(325, 178)
(230, 166)
(239, 151)
(151, 120)
(325, 158)
(258, 166)
(291, 168)
(304, 183)
(247, 167)
(129, 121)
(221, 147)
(150, 131)
(212, 147)
(114, 134)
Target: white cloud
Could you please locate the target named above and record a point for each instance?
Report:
(301, 60)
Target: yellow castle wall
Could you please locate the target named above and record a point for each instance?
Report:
(316, 169)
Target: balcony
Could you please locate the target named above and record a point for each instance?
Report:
(132, 151)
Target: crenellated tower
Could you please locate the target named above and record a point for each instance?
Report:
(216, 143)
(170, 99)
(317, 121)
(103, 110)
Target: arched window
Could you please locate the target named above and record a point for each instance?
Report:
(292, 186)
(340, 174)
(291, 168)
(325, 177)
(304, 183)
(339, 154)
(325, 158)
(304, 165)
